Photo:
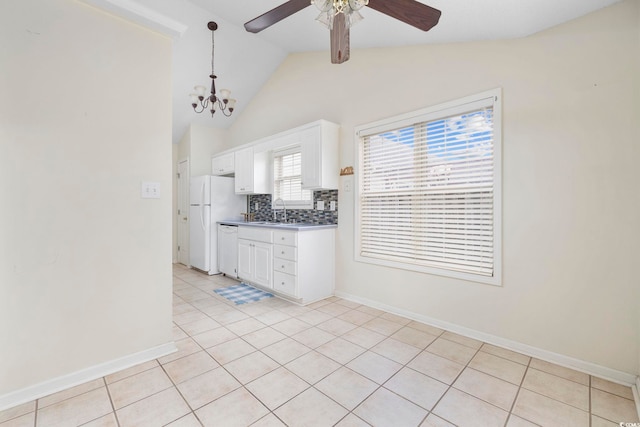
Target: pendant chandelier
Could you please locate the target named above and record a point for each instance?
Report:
(213, 102)
(330, 8)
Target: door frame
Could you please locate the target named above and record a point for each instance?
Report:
(182, 211)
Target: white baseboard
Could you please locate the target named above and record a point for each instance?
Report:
(549, 356)
(55, 385)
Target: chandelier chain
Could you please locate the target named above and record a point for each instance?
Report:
(212, 50)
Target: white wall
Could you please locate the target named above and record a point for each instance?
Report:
(205, 142)
(570, 154)
(198, 144)
(85, 263)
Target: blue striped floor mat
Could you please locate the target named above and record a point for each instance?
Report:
(242, 293)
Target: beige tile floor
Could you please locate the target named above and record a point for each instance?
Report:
(335, 362)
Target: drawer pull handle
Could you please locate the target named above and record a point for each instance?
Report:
(282, 252)
(283, 266)
(283, 283)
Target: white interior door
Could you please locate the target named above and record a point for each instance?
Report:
(183, 212)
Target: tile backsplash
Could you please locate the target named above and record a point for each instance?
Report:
(265, 213)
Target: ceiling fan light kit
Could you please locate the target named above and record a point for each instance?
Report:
(212, 102)
(330, 8)
(340, 15)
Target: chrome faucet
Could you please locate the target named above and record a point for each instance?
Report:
(284, 209)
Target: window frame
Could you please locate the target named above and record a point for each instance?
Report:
(289, 204)
(433, 113)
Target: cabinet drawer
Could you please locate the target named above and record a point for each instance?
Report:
(284, 266)
(288, 238)
(256, 234)
(284, 283)
(285, 252)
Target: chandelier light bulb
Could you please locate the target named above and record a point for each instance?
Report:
(323, 5)
(326, 19)
(353, 18)
(200, 90)
(224, 94)
(356, 5)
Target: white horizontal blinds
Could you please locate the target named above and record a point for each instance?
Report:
(426, 195)
(287, 169)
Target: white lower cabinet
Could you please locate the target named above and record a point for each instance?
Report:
(303, 264)
(262, 259)
(255, 256)
(298, 265)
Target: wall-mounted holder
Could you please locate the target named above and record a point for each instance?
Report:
(248, 217)
(346, 171)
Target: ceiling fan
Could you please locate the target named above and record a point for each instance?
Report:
(339, 15)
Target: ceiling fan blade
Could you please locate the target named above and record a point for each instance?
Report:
(339, 40)
(410, 12)
(275, 15)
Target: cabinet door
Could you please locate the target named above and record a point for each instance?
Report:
(263, 263)
(245, 259)
(244, 170)
(311, 153)
(223, 164)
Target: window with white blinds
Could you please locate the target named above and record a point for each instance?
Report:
(287, 179)
(429, 190)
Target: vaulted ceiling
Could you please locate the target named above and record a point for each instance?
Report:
(245, 61)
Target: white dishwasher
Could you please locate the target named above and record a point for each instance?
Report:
(228, 250)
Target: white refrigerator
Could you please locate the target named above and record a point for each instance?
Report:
(212, 199)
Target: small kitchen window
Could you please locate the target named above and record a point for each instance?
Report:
(429, 190)
(287, 180)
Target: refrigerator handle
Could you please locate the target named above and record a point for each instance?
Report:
(202, 208)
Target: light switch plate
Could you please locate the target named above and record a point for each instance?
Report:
(150, 190)
(332, 205)
(320, 205)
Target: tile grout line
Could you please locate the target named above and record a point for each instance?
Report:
(405, 365)
(35, 416)
(590, 408)
(450, 386)
(515, 398)
(192, 411)
(113, 407)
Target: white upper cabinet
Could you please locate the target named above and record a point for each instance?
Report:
(223, 164)
(252, 172)
(319, 148)
(252, 163)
